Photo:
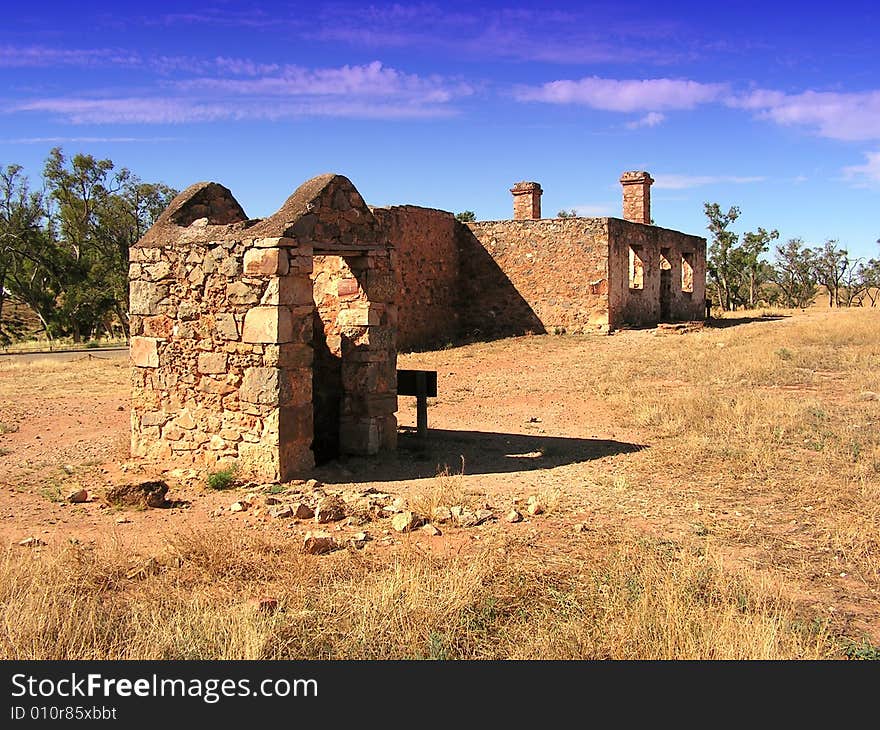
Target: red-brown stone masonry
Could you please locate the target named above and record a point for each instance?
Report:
(642, 306)
(427, 274)
(354, 299)
(548, 275)
(221, 358)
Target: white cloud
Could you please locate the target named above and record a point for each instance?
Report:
(373, 80)
(630, 95)
(126, 110)
(43, 57)
(846, 116)
(681, 182)
(371, 91)
(651, 119)
(168, 110)
(869, 173)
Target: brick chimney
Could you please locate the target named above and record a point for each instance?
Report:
(636, 196)
(526, 200)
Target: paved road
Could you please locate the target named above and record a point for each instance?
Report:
(102, 353)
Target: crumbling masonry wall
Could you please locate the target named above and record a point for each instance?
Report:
(223, 322)
(427, 271)
(556, 273)
(222, 359)
(656, 249)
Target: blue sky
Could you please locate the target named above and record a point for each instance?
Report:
(774, 107)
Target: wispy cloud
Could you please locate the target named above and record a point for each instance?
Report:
(651, 119)
(631, 95)
(371, 80)
(600, 35)
(681, 182)
(263, 91)
(130, 110)
(867, 174)
(155, 110)
(45, 57)
(837, 115)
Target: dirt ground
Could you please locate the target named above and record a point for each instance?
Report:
(511, 420)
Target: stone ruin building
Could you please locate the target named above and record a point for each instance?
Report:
(271, 344)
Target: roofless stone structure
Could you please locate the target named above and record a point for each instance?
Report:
(272, 344)
(240, 327)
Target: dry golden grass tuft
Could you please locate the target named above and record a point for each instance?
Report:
(636, 601)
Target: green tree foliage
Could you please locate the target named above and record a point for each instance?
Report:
(571, 213)
(869, 280)
(795, 273)
(466, 216)
(832, 265)
(70, 262)
(721, 263)
(28, 271)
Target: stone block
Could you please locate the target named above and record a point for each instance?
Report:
(295, 459)
(291, 291)
(259, 461)
(160, 326)
(296, 424)
(185, 421)
(157, 271)
(359, 316)
(275, 242)
(288, 355)
(212, 362)
(296, 386)
(154, 418)
(380, 404)
(272, 325)
(215, 385)
(359, 437)
(261, 386)
(226, 326)
(381, 286)
(303, 263)
(144, 352)
(237, 292)
(347, 287)
(144, 296)
(265, 262)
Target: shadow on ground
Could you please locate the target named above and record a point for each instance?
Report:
(471, 452)
(725, 322)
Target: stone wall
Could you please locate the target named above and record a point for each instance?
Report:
(354, 379)
(548, 275)
(644, 306)
(227, 315)
(427, 272)
(222, 359)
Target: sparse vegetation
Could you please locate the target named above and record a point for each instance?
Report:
(739, 277)
(637, 600)
(745, 524)
(221, 478)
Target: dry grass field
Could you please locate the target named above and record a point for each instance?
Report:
(707, 495)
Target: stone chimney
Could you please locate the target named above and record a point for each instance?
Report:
(526, 200)
(636, 196)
